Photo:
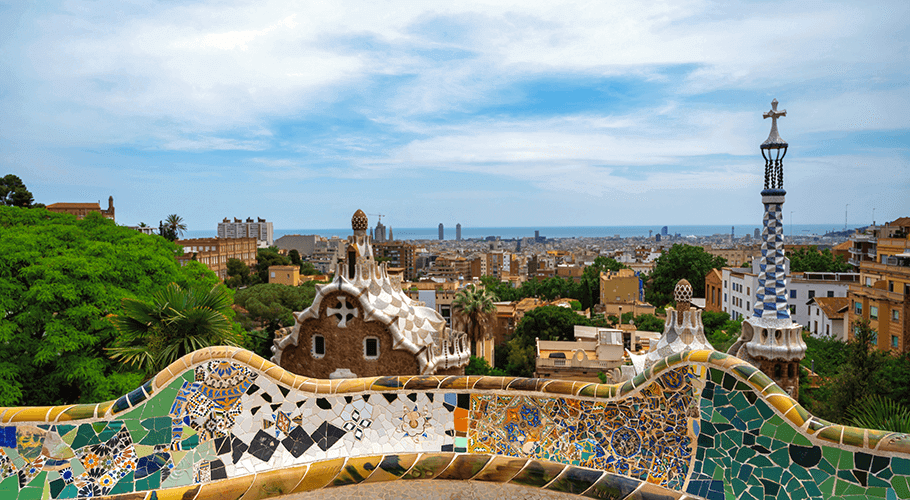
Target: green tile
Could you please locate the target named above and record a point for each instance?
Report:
(846, 460)
(29, 493)
(85, 436)
(785, 433)
(801, 440)
(9, 487)
(781, 457)
(827, 486)
(899, 483)
(124, 485)
(717, 418)
(70, 491)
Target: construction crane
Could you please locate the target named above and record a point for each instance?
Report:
(380, 217)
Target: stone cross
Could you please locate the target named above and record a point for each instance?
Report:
(774, 114)
(342, 311)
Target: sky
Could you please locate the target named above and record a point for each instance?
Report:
(480, 113)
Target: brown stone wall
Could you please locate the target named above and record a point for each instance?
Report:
(344, 347)
(786, 376)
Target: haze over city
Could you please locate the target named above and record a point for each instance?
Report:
(489, 115)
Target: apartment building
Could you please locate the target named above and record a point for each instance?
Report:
(826, 317)
(737, 255)
(882, 294)
(489, 264)
(259, 229)
(714, 290)
(215, 252)
(80, 210)
(398, 254)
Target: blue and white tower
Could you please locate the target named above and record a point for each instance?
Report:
(770, 339)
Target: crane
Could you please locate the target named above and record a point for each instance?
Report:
(380, 217)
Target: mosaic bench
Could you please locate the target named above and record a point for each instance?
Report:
(224, 423)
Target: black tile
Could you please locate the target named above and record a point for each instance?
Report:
(284, 390)
(448, 407)
(879, 464)
(390, 397)
(862, 461)
(266, 396)
(253, 388)
(263, 446)
(413, 397)
(448, 447)
(348, 399)
(297, 442)
(806, 456)
(218, 470)
(464, 401)
(237, 448)
(771, 488)
(861, 476)
(327, 435)
(366, 398)
(275, 407)
(323, 403)
(222, 445)
(430, 396)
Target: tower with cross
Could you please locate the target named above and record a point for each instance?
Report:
(770, 339)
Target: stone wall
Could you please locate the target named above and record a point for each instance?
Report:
(224, 423)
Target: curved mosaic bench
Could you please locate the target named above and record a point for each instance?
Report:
(225, 423)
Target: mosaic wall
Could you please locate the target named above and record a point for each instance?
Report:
(225, 421)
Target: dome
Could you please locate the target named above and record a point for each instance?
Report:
(359, 221)
(683, 291)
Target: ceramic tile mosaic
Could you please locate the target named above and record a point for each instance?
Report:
(225, 422)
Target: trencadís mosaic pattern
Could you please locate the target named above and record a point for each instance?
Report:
(223, 422)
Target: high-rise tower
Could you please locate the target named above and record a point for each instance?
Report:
(458, 232)
(770, 339)
(441, 232)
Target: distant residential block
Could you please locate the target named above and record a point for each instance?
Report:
(259, 229)
(215, 252)
(80, 210)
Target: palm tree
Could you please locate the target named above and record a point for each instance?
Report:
(177, 321)
(176, 224)
(880, 412)
(475, 305)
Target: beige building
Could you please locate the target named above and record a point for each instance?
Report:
(619, 287)
(398, 255)
(80, 210)
(215, 252)
(738, 255)
(284, 275)
(714, 283)
(594, 351)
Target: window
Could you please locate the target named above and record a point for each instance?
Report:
(725, 297)
(811, 293)
(830, 293)
(792, 309)
(273, 274)
(748, 291)
(747, 306)
(816, 327)
(873, 312)
(318, 349)
(857, 307)
(792, 294)
(894, 342)
(809, 310)
(874, 337)
(827, 329)
(371, 347)
(895, 315)
(890, 286)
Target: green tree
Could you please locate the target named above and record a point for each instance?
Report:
(812, 260)
(175, 225)
(649, 323)
(13, 192)
(474, 306)
(59, 278)
(272, 305)
(308, 269)
(545, 323)
(267, 257)
(238, 274)
(879, 412)
(680, 262)
(175, 322)
(479, 366)
(857, 376)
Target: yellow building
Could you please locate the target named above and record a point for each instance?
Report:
(284, 275)
(215, 252)
(619, 287)
(80, 210)
(882, 295)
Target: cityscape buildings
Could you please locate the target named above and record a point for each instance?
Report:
(80, 210)
(259, 229)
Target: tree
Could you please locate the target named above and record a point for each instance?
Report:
(267, 257)
(13, 192)
(680, 262)
(294, 257)
(812, 260)
(856, 377)
(238, 274)
(649, 323)
(545, 323)
(474, 305)
(272, 305)
(59, 278)
(175, 225)
(879, 412)
(175, 322)
(308, 269)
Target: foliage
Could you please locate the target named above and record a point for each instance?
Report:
(271, 305)
(545, 323)
(294, 257)
(175, 322)
(812, 260)
(603, 377)
(59, 278)
(265, 258)
(878, 412)
(827, 354)
(175, 224)
(589, 288)
(474, 306)
(238, 274)
(649, 323)
(680, 262)
(479, 366)
(13, 192)
(308, 269)
(720, 331)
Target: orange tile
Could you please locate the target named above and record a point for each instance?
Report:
(461, 420)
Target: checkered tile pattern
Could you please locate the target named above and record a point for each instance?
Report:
(771, 301)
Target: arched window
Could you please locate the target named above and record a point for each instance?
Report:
(318, 348)
(777, 371)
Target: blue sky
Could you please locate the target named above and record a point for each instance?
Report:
(487, 114)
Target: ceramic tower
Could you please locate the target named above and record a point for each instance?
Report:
(770, 339)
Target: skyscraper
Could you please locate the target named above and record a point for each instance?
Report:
(441, 233)
(663, 231)
(458, 232)
(770, 339)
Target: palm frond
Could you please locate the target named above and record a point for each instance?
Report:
(879, 412)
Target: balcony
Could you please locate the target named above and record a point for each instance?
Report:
(571, 363)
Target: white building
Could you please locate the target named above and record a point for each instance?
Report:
(826, 317)
(740, 291)
(259, 229)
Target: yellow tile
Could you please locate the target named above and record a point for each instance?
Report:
(9, 414)
(287, 378)
(178, 493)
(243, 356)
(101, 409)
(200, 356)
(32, 414)
(356, 470)
(353, 385)
(163, 378)
(700, 356)
(275, 483)
(225, 489)
(782, 402)
(319, 474)
(56, 412)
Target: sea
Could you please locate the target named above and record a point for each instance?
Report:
(508, 233)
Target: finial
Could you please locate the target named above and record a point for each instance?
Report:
(683, 295)
(359, 221)
(774, 140)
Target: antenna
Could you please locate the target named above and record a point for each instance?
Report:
(845, 216)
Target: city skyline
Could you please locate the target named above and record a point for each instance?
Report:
(568, 116)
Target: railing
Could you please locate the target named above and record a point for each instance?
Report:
(573, 363)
